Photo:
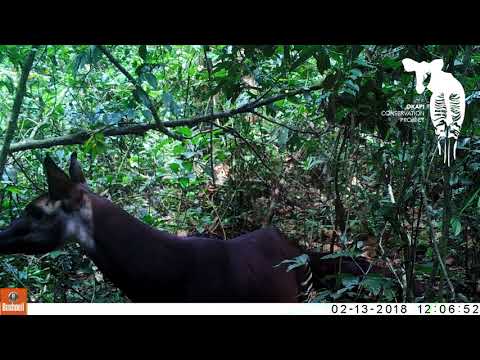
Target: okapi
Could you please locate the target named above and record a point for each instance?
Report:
(149, 265)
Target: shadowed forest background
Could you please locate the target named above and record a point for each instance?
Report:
(221, 140)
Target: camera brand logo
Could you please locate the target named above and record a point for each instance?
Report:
(447, 103)
(13, 301)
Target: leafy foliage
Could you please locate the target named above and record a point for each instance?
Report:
(330, 151)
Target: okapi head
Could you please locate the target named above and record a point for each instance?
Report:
(422, 70)
(52, 219)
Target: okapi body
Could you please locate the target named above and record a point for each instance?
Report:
(149, 265)
(153, 266)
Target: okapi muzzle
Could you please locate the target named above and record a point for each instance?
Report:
(149, 265)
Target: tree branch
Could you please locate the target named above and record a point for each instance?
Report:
(247, 108)
(141, 129)
(79, 137)
(17, 104)
(149, 104)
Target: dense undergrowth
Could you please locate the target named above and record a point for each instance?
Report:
(318, 165)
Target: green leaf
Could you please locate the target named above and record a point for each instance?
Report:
(349, 280)
(8, 84)
(142, 52)
(79, 62)
(339, 293)
(175, 167)
(220, 74)
(184, 182)
(350, 91)
(304, 55)
(373, 284)
(456, 226)
(13, 189)
(95, 145)
(391, 63)
(168, 100)
(148, 114)
(471, 200)
(188, 166)
(310, 163)
(353, 86)
(151, 79)
(453, 179)
(341, 113)
(293, 99)
(93, 55)
(141, 97)
(322, 296)
(355, 73)
(56, 253)
(474, 166)
(185, 131)
(296, 262)
(424, 268)
(389, 294)
(189, 154)
(149, 219)
(179, 149)
(362, 62)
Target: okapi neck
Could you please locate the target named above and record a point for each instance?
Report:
(132, 254)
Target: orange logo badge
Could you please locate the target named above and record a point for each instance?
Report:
(13, 301)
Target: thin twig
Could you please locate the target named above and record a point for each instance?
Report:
(161, 127)
(435, 246)
(287, 126)
(388, 261)
(235, 133)
(26, 174)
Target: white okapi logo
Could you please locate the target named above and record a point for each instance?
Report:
(447, 103)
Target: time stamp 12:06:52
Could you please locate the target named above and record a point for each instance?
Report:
(405, 309)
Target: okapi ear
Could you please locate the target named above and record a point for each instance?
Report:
(436, 65)
(59, 185)
(409, 65)
(75, 170)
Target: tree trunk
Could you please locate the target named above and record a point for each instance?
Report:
(17, 104)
